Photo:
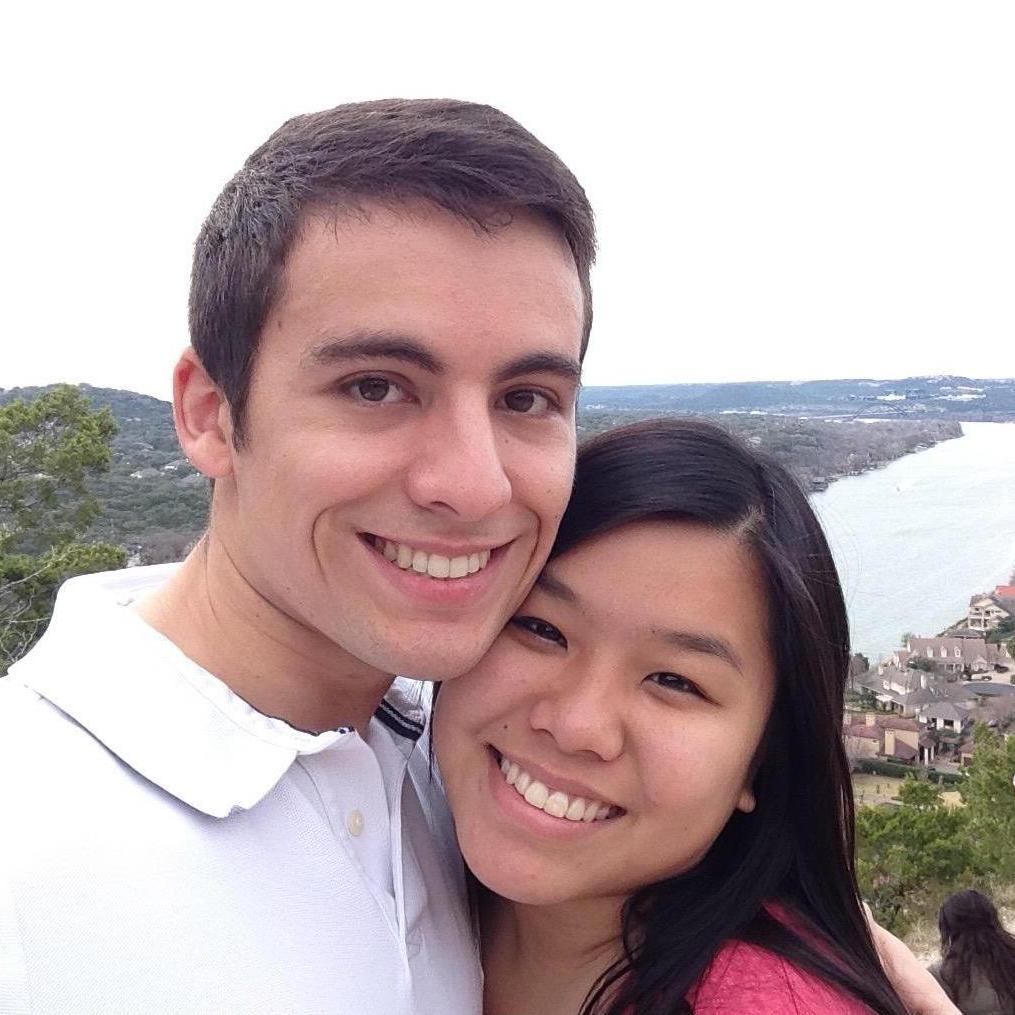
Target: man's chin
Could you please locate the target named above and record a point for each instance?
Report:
(433, 666)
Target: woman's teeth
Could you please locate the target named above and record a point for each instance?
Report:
(432, 564)
(553, 801)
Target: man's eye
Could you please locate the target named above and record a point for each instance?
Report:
(541, 629)
(675, 682)
(531, 403)
(375, 389)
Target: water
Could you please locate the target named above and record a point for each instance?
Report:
(914, 540)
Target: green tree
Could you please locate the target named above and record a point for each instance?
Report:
(49, 448)
(990, 800)
(910, 856)
(867, 699)
(1003, 632)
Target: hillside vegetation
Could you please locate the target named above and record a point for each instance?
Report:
(940, 397)
(817, 451)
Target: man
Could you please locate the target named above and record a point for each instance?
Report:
(214, 798)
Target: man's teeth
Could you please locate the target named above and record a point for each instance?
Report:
(432, 564)
(552, 801)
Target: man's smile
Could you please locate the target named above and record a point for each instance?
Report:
(456, 564)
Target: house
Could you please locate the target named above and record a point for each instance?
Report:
(889, 684)
(899, 749)
(889, 736)
(987, 610)
(928, 748)
(952, 655)
(945, 715)
(862, 741)
(902, 680)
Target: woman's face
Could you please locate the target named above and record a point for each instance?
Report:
(627, 699)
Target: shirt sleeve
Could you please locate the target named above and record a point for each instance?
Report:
(746, 978)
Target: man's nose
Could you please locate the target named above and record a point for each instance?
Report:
(459, 467)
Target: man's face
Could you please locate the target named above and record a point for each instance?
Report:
(410, 433)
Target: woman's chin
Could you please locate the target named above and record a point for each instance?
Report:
(527, 887)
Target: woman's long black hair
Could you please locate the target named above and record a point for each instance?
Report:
(972, 937)
(796, 848)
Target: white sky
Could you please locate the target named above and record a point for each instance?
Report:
(784, 190)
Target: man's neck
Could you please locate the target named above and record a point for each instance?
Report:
(276, 664)
(543, 960)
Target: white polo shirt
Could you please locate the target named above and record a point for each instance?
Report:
(167, 850)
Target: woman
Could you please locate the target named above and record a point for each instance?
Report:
(646, 770)
(977, 966)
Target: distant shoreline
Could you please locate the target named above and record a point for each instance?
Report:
(816, 450)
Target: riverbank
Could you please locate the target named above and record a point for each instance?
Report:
(818, 451)
(914, 540)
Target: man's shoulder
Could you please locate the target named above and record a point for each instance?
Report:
(39, 744)
(51, 773)
(27, 719)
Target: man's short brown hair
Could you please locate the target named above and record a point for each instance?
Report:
(469, 159)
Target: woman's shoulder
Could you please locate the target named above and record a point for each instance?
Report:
(747, 978)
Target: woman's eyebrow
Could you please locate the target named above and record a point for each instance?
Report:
(556, 588)
(693, 641)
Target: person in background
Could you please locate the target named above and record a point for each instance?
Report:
(646, 771)
(977, 964)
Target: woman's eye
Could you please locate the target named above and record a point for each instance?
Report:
(675, 682)
(541, 629)
(528, 402)
(378, 390)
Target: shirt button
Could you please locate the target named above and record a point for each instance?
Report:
(354, 823)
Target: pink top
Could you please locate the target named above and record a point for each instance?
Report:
(745, 978)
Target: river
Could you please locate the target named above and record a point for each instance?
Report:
(914, 540)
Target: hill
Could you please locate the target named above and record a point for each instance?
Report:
(938, 397)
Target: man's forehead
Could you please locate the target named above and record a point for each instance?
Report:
(415, 285)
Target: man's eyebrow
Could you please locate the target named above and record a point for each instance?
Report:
(556, 588)
(692, 641)
(363, 345)
(541, 363)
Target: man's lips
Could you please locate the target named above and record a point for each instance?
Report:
(430, 582)
(448, 563)
(445, 547)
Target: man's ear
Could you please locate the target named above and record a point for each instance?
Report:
(202, 417)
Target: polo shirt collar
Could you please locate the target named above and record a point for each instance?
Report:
(168, 719)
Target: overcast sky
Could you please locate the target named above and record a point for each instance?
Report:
(783, 190)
